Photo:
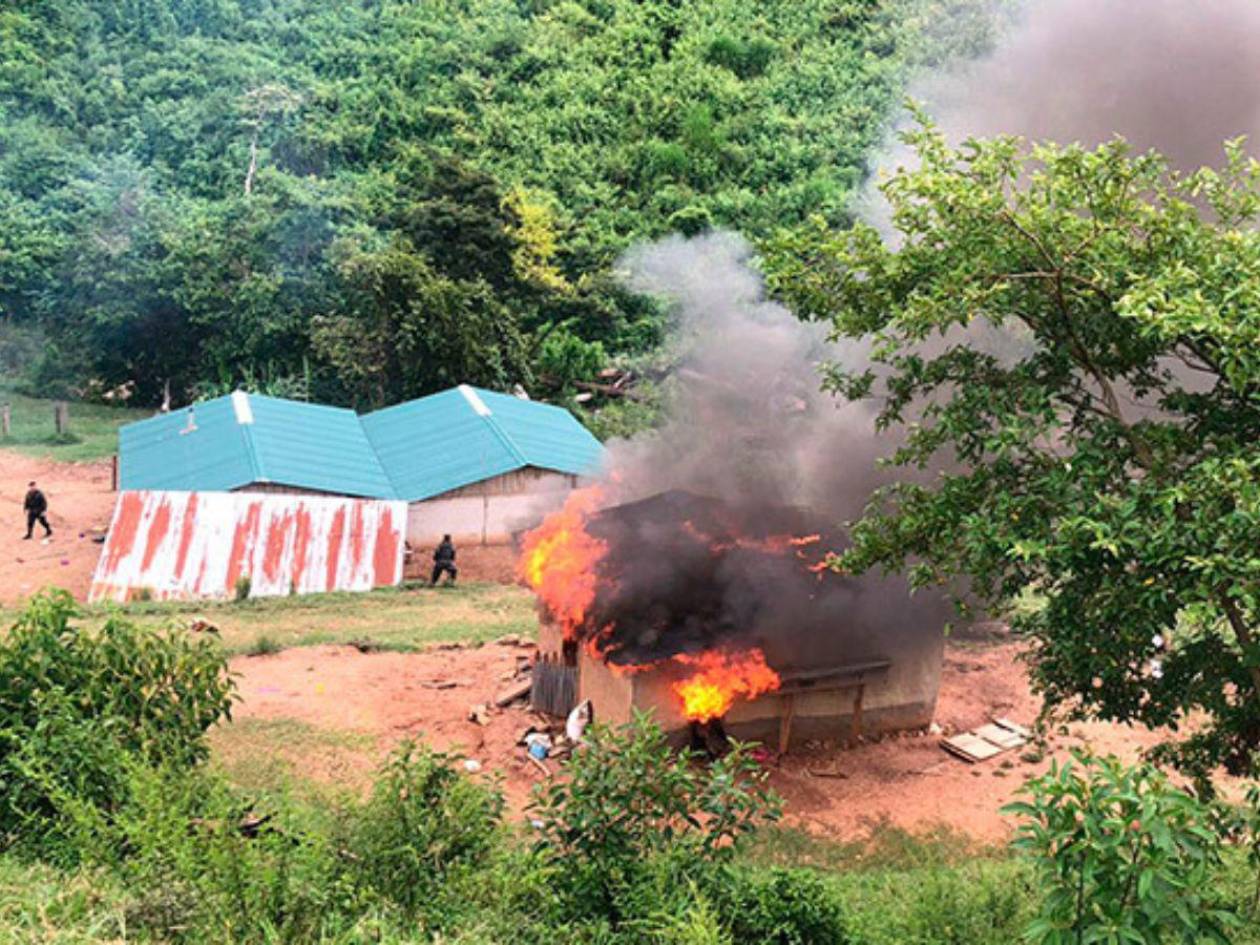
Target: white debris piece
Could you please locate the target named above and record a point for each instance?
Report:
(575, 725)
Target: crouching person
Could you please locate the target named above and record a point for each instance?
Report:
(444, 561)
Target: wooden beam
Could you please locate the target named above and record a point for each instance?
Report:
(785, 722)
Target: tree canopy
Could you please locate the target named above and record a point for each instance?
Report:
(1066, 341)
(202, 192)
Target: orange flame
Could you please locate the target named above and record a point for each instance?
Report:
(720, 678)
(558, 560)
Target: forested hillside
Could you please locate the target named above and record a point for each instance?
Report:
(365, 201)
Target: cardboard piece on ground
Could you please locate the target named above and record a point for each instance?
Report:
(1004, 738)
(970, 748)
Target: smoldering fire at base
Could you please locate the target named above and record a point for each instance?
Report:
(706, 613)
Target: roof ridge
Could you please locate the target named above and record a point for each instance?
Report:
(242, 409)
(478, 406)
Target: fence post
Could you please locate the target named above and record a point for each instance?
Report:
(113, 478)
(5, 419)
(61, 417)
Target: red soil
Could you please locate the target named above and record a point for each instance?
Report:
(908, 781)
(79, 502)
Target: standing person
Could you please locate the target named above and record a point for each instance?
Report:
(444, 561)
(36, 511)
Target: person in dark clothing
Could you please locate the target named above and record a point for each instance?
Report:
(444, 561)
(36, 511)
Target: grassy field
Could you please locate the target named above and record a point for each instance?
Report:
(93, 428)
(402, 619)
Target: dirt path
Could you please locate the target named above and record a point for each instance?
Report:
(908, 781)
(79, 501)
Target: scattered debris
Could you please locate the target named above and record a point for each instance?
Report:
(575, 725)
(480, 713)
(364, 645)
(935, 729)
(1002, 737)
(513, 639)
(201, 625)
(472, 765)
(538, 744)
(832, 772)
(442, 683)
(540, 765)
(518, 690)
(987, 741)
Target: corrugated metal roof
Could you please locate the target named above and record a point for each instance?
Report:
(466, 435)
(242, 439)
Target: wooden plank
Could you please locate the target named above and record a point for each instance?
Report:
(857, 714)
(970, 748)
(1002, 737)
(785, 722)
(517, 690)
(1014, 727)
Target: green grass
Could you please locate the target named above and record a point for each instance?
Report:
(404, 619)
(288, 756)
(93, 430)
(42, 906)
(907, 890)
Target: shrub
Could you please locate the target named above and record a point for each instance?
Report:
(748, 60)
(240, 590)
(76, 707)
(780, 907)
(204, 865)
(263, 645)
(1122, 854)
(628, 800)
(423, 822)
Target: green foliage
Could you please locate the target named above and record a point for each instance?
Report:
(565, 358)
(201, 865)
(781, 907)
(1066, 336)
(1123, 856)
(240, 590)
(362, 201)
(77, 709)
(630, 809)
(424, 823)
(264, 645)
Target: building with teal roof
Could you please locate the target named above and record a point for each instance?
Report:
(250, 442)
(463, 436)
(472, 463)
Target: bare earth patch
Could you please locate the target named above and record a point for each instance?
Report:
(79, 501)
(906, 781)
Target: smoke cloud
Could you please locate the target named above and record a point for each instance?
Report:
(1179, 76)
(748, 421)
(749, 426)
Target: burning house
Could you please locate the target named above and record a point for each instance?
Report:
(724, 620)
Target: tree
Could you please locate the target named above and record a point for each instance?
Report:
(1103, 454)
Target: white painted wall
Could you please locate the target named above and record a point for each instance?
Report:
(491, 517)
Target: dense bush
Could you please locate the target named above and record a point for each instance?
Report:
(78, 709)
(1122, 855)
(780, 907)
(634, 822)
(200, 864)
(424, 823)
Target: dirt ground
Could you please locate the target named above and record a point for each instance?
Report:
(908, 781)
(79, 504)
(493, 563)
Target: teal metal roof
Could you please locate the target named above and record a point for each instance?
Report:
(466, 435)
(242, 439)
